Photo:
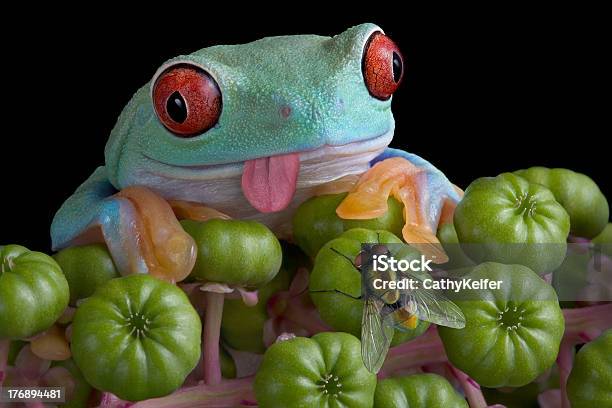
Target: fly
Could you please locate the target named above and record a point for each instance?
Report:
(385, 310)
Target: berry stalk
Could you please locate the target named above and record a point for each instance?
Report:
(211, 336)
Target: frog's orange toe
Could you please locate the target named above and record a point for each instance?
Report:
(167, 251)
(426, 242)
(368, 198)
(362, 206)
(407, 183)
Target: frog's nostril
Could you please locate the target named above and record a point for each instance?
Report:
(285, 111)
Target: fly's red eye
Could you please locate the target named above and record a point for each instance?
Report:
(187, 100)
(382, 66)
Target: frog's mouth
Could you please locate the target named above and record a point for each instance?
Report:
(270, 183)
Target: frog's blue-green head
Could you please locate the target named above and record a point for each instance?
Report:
(275, 100)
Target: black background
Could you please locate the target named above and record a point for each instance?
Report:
(486, 90)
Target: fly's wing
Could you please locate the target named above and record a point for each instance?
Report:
(375, 335)
(430, 306)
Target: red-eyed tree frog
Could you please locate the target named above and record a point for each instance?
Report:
(251, 131)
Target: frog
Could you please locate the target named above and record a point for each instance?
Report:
(251, 131)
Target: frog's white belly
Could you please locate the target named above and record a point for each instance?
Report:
(220, 188)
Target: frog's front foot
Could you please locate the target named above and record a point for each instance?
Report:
(148, 237)
(144, 236)
(429, 199)
(138, 226)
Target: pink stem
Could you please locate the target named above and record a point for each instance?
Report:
(581, 326)
(471, 388)
(585, 323)
(4, 350)
(572, 239)
(212, 332)
(110, 400)
(298, 309)
(228, 393)
(307, 319)
(426, 349)
(564, 362)
(550, 398)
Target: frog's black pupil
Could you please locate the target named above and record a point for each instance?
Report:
(176, 107)
(397, 67)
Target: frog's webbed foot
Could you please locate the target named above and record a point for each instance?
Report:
(147, 235)
(143, 235)
(428, 198)
(138, 226)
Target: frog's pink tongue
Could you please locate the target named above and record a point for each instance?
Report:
(269, 182)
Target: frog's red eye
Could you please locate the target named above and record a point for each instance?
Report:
(382, 66)
(187, 100)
